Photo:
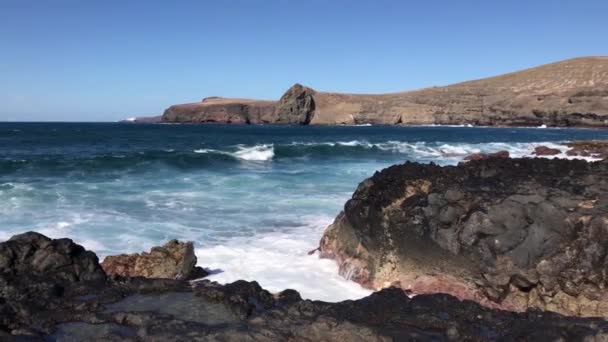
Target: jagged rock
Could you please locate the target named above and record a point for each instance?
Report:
(144, 309)
(480, 156)
(297, 105)
(33, 254)
(174, 260)
(507, 233)
(546, 151)
(595, 149)
(564, 94)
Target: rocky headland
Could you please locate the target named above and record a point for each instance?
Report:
(55, 290)
(570, 93)
(514, 234)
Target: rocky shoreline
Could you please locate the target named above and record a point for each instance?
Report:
(491, 249)
(570, 93)
(55, 290)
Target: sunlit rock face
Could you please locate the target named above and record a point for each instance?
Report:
(570, 93)
(507, 233)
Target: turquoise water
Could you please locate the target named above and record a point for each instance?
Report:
(254, 199)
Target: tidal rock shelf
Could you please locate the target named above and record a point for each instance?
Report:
(55, 290)
(513, 234)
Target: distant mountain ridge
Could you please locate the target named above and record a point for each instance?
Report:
(570, 93)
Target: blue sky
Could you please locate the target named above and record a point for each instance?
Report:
(106, 60)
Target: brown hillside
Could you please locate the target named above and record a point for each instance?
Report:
(568, 93)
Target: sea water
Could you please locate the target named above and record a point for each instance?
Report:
(254, 199)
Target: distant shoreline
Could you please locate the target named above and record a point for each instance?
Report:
(295, 125)
(570, 93)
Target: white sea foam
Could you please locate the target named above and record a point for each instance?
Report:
(262, 152)
(255, 153)
(280, 261)
(453, 152)
(354, 143)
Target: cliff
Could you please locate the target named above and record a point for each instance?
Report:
(563, 94)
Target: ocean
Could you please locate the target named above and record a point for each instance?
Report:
(254, 199)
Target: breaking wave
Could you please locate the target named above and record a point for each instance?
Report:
(251, 153)
(439, 152)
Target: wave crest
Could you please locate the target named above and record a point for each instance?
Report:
(252, 153)
(255, 153)
(391, 151)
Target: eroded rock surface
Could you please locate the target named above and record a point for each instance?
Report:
(174, 260)
(479, 156)
(297, 105)
(90, 307)
(222, 110)
(546, 151)
(507, 233)
(595, 149)
(34, 255)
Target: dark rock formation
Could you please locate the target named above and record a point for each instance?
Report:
(297, 105)
(35, 255)
(142, 309)
(545, 151)
(480, 156)
(595, 149)
(563, 94)
(507, 233)
(174, 260)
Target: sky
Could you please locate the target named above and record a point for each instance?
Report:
(63, 60)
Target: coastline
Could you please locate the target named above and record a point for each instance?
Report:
(113, 300)
(146, 187)
(594, 127)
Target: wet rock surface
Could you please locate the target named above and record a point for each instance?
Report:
(479, 156)
(595, 149)
(507, 233)
(120, 308)
(546, 151)
(174, 260)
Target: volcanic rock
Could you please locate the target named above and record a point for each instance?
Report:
(479, 156)
(595, 149)
(144, 309)
(507, 233)
(546, 151)
(174, 260)
(33, 254)
(297, 105)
